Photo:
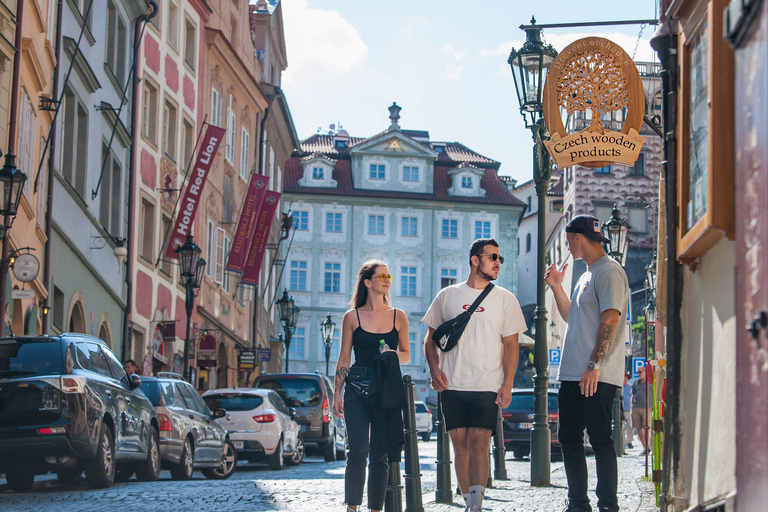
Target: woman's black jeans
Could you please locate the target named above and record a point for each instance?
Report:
(578, 412)
(364, 435)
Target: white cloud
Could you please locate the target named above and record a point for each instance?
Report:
(453, 71)
(502, 49)
(449, 51)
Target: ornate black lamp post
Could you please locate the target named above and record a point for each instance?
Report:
(289, 314)
(615, 229)
(529, 69)
(11, 185)
(192, 267)
(327, 327)
(650, 277)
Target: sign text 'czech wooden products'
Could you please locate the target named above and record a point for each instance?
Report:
(596, 75)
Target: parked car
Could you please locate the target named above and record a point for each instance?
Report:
(423, 420)
(190, 436)
(311, 396)
(518, 422)
(260, 426)
(67, 405)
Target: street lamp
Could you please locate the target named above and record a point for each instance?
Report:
(192, 267)
(11, 185)
(327, 327)
(650, 277)
(530, 65)
(289, 314)
(615, 229)
(552, 333)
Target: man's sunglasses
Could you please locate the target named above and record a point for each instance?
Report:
(384, 277)
(493, 256)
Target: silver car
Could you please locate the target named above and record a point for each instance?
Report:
(423, 420)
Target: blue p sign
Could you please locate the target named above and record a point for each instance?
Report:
(554, 357)
(637, 362)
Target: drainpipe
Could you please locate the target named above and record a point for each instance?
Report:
(132, 179)
(51, 169)
(260, 158)
(14, 112)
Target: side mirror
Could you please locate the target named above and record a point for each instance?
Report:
(292, 412)
(135, 381)
(219, 413)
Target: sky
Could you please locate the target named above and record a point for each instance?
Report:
(443, 61)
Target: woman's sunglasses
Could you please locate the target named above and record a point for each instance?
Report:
(384, 277)
(493, 256)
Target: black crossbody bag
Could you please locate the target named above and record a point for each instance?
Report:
(447, 335)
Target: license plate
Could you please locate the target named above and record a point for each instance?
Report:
(522, 426)
(238, 445)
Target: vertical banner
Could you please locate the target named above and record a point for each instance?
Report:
(260, 237)
(209, 144)
(246, 226)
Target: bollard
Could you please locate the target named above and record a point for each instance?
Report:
(489, 483)
(413, 501)
(499, 452)
(394, 499)
(443, 492)
(618, 438)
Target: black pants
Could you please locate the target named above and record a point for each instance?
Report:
(364, 435)
(578, 412)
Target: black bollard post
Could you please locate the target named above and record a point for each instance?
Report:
(443, 492)
(394, 499)
(413, 501)
(489, 483)
(500, 453)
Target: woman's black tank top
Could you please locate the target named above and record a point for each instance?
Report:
(366, 344)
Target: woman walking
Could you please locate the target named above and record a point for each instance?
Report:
(370, 327)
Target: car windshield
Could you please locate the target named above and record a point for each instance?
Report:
(421, 408)
(22, 357)
(294, 392)
(233, 402)
(524, 402)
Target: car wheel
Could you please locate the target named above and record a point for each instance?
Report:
(183, 470)
(228, 464)
(68, 476)
(276, 459)
(425, 436)
(149, 470)
(329, 451)
(100, 470)
(341, 454)
(298, 454)
(124, 472)
(20, 481)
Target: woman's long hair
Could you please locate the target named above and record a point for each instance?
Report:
(360, 295)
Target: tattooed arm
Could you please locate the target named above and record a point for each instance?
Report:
(606, 333)
(348, 325)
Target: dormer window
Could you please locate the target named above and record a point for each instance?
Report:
(317, 173)
(378, 172)
(341, 144)
(466, 182)
(410, 173)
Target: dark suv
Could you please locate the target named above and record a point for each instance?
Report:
(518, 422)
(311, 396)
(67, 405)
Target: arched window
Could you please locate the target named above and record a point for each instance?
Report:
(77, 319)
(528, 242)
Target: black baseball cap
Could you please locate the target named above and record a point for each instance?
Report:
(588, 226)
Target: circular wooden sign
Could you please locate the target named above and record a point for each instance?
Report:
(594, 74)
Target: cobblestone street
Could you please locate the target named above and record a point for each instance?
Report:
(314, 486)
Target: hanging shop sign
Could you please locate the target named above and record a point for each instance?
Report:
(158, 347)
(26, 267)
(265, 354)
(594, 75)
(260, 237)
(168, 328)
(246, 360)
(206, 352)
(246, 226)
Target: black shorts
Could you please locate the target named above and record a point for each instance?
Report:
(467, 409)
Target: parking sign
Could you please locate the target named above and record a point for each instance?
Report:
(637, 362)
(554, 357)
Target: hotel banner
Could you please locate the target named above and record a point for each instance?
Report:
(209, 144)
(246, 226)
(260, 237)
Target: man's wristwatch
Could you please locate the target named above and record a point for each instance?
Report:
(593, 366)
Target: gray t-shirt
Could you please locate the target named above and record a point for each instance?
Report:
(602, 287)
(638, 393)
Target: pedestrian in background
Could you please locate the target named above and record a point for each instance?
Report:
(627, 406)
(592, 362)
(131, 367)
(372, 327)
(475, 378)
(639, 408)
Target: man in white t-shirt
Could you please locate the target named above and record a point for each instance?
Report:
(475, 378)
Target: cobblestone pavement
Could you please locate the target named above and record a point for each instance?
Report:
(315, 486)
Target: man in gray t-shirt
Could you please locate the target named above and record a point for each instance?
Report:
(592, 362)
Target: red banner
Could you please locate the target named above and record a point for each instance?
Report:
(260, 237)
(209, 144)
(246, 226)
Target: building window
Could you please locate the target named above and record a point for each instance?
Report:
(528, 242)
(298, 276)
(297, 344)
(333, 222)
(450, 228)
(637, 216)
(147, 240)
(341, 144)
(410, 226)
(58, 308)
(466, 182)
(410, 173)
(225, 277)
(245, 143)
(301, 220)
(412, 343)
(110, 192)
(408, 281)
(169, 130)
(116, 44)
(332, 277)
(482, 229)
(215, 107)
(447, 277)
(603, 170)
(173, 25)
(375, 224)
(75, 128)
(190, 43)
(166, 266)
(230, 153)
(188, 141)
(317, 173)
(149, 111)
(639, 168)
(377, 172)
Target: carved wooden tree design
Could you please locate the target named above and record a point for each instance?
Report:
(593, 81)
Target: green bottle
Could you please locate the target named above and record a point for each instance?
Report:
(382, 346)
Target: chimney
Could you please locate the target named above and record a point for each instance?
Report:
(394, 115)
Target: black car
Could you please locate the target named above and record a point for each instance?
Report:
(311, 396)
(518, 422)
(67, 405)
